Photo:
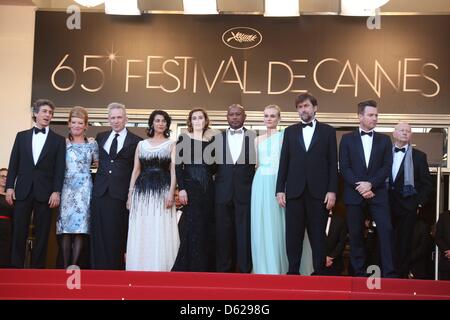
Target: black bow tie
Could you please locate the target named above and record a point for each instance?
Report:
(399, 149)
(370, 133)
(37, 130)
(239, 131)
(309, 124)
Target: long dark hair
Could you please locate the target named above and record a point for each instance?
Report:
(151, 119)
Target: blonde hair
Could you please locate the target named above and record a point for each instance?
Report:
(78, 112)
(274, 106)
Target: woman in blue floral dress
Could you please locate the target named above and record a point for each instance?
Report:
(73, 220)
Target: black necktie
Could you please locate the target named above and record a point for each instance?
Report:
(309, 124)
(37, 130)
(370, 133)
(399, 149)
(113, 149)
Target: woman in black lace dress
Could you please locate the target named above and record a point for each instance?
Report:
(194, 171)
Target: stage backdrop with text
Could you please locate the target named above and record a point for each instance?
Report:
(180, 62)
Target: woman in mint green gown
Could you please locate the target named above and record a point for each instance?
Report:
(268, 238)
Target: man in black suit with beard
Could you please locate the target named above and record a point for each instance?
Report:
(34, 181)
(307, 183)
(365, 163)
(109, 220)
(235, 158)
(410, 186)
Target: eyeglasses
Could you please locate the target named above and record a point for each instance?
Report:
(3, 177)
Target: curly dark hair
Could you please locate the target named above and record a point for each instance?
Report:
(151, 119)
(36, 107)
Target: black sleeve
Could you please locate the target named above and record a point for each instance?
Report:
(440, 234)
(284, 164)
(179, 163)
(332, 162)
(426, 183)
(13, 164)
(60, 165)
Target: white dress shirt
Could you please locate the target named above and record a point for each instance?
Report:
(308, 134)
(235, 143)
(367, 142)
(120, 140)
(38, 142)
(398, 158)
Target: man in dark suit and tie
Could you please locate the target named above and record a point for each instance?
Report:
(34, 181)
(110, 192)
(410, 186)
(365, 162)
(235, 159)
(307, 183)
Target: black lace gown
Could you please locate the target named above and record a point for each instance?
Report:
(196, 225)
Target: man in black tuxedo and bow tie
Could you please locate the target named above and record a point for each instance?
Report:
(307, 183)
(34, 181)
(365, 162)
(410, 186)
(110, 192)
(235, 159)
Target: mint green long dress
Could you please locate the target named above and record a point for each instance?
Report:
(268, 236)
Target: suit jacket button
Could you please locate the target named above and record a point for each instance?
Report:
(110, 171)
(112, 161)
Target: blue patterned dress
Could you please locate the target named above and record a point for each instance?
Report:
(74, 213)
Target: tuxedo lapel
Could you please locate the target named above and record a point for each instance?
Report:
(374, 150)
(46, 146)
(103, 139)
(29, 145)
(358, 143)
(226, 149)
(243, 153)
(299, 134)
(126, 143)
(315, 136)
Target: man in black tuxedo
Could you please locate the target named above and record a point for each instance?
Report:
(307, 183)
(365, 162)
(336, 233)
(110, 192)
(35, 179)
(410, 186)
(235, 159)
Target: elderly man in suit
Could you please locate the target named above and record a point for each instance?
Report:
(410, 186)
(110, 191)
(307, 183)
(34, 181)
(365, 163)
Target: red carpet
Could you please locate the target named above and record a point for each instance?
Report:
(52, 284)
